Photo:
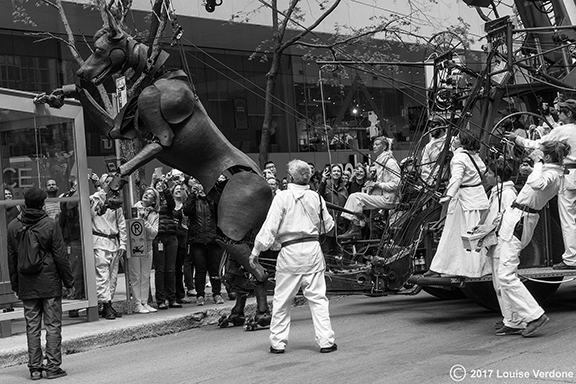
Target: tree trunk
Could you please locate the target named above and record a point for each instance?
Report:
(268, 108)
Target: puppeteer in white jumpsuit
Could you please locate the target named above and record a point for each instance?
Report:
(294, 221)
(518, 224)
(501, 198)
(567, 194)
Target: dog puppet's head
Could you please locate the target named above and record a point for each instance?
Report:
(112, 53)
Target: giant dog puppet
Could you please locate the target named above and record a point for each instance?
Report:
(168, 116)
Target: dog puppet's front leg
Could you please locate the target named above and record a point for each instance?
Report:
(118, 181)
(146, 154)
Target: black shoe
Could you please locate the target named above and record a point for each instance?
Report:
(107, 312)
(534, 326)
(498, 325)
(115, 312)
(175, 305)
(276, 351)
(35, 374)
(563, 266)
(56, 374)
(162, 306)
(332, 348)
(508, 331)
(73, 313)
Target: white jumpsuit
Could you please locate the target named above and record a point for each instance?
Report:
(501, 197)
(567, 194)
(517, 304)
(295, 214)
(111, 223)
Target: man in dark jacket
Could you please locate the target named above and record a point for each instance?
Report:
(41, 293)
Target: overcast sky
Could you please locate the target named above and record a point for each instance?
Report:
(432, 17)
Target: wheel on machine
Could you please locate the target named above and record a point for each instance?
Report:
(445, 293)
(482, 292)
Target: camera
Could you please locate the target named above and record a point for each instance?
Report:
(527, 162)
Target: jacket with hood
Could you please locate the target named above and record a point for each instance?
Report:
(56, 271)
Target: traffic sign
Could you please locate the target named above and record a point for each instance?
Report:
(136, 238)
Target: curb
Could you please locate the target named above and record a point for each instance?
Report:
(126, 331)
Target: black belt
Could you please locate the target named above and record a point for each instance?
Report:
(524, 208)
(570, 166)
(112, 237)
(468, 186)
(300, 240)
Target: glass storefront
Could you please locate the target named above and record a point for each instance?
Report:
(45, 148)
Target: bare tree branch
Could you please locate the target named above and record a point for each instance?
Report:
(48, 2)
(287, 17)
(51, 36)
(311, 27)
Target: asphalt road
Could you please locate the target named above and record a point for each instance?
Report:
(395, 339)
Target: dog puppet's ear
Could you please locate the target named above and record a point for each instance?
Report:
(115, 30)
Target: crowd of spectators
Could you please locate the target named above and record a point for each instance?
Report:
(370, 186)
(180, 218)
(180, 232)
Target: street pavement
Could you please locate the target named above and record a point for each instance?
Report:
(395, 339)
(79, 335)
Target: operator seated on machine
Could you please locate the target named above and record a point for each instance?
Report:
(383, 192)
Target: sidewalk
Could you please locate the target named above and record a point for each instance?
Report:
(79, 335)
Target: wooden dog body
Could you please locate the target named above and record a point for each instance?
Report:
(169, 117)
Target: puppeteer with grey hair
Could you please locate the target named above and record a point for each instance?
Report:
(296, 219)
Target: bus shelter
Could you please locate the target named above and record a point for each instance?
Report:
(41, 144)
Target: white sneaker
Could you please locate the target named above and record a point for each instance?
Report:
(149, 308)
(140, 309)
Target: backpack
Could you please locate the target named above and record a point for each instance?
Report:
(30, 253)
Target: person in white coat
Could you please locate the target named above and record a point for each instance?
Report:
(109, 239)
(296, 219)
(381, 193)
(466, 201)
(567, 195)
(502, 194)
(522, 314)
(140, 267)
(432, 150)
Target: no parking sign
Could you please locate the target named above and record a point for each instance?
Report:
(136, 238)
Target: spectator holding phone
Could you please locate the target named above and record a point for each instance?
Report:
(165, 249)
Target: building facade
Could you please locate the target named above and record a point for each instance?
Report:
(311, 116)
